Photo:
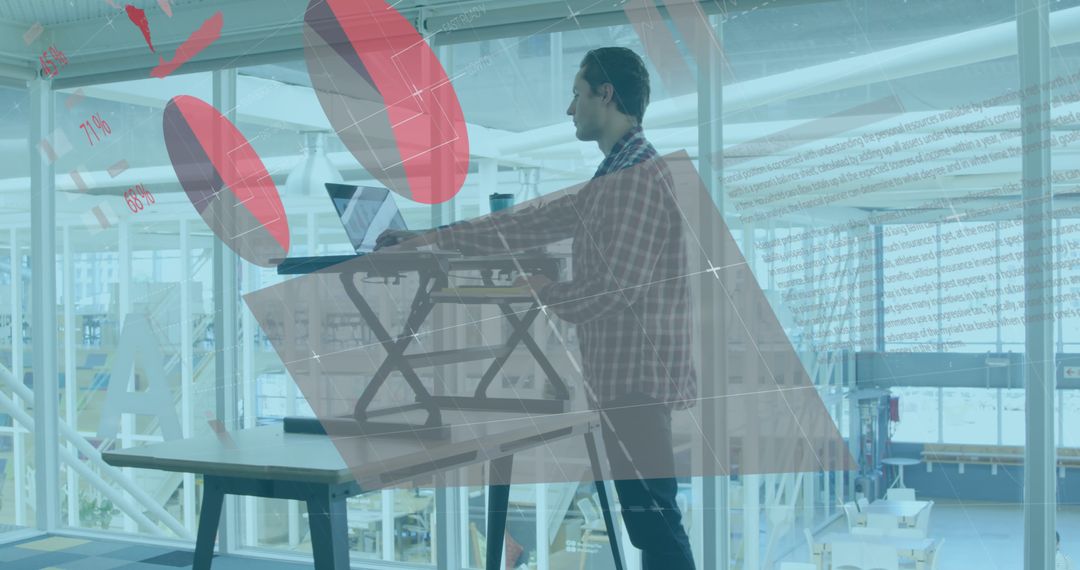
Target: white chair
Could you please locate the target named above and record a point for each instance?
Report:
(867, 531)
(932, 563)
(592, 515)
(931, 560)
(922, 524)
(809, 541)
(780, 520)
(846, 556)
(852, 513)
(797, 566)
(900, 494)
(879, 557)
(864, 556)
(888, 524)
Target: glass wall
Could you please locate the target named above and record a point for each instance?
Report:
(901, 232)
(17, 492)
(135, 292)
(873, 191)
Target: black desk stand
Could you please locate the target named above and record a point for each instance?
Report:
(433, 275)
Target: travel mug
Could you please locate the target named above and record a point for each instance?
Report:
(500, 201)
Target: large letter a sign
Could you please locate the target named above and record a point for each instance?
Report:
(138, 346)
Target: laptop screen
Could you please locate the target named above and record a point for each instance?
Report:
(366, 212)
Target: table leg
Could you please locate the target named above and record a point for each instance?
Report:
(605, 504)
(902, 486)
(209, 518)
(329, 529)
(498, 505)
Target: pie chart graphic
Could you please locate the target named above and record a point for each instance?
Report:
(387, 96)
(225, 180)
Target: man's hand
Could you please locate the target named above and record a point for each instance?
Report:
(536, 282)
(397, 237)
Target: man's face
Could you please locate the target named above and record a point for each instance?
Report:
(588, 109)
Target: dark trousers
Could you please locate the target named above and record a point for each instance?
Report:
(637, 438)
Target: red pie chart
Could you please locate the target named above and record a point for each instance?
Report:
(387, 97)
(225, 180)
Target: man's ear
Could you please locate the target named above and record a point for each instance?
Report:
(607, 91)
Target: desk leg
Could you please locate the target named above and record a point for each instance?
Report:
(329, 529)
(605, 504)
(498, 504)
(209, 518)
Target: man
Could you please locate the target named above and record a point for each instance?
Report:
(628, 294)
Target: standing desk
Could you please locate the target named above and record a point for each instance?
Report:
(268, 462)
(432, 269)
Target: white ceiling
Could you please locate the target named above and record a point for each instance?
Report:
(281, 108)
(52, 12)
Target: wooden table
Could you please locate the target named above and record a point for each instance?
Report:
(918, 549)
(267, 462)
(905, 511)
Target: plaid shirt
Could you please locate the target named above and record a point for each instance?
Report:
(629, 293)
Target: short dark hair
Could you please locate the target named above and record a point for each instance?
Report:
(625, 71)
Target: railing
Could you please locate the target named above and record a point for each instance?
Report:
(990, 454)
(117, 484)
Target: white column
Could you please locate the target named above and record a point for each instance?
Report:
(631, 552)
(808, 480)
(446, 525)
(751, 520)
(70, 373)
(43, 310)
(291, 393)
(247, 389)
(558, 80)
(1040, 485)
(387, 524)
(17, 367)
(488, 169)
(867, 277)
(127, 421)
(712, 533)
(543, 537)
(226, 299)
(187, 416)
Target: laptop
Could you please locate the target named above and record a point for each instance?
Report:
(366, 212)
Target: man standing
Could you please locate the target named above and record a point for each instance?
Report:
(628, 295)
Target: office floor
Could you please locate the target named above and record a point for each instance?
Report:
(60, 553)
(977, 535)
(986, 536)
